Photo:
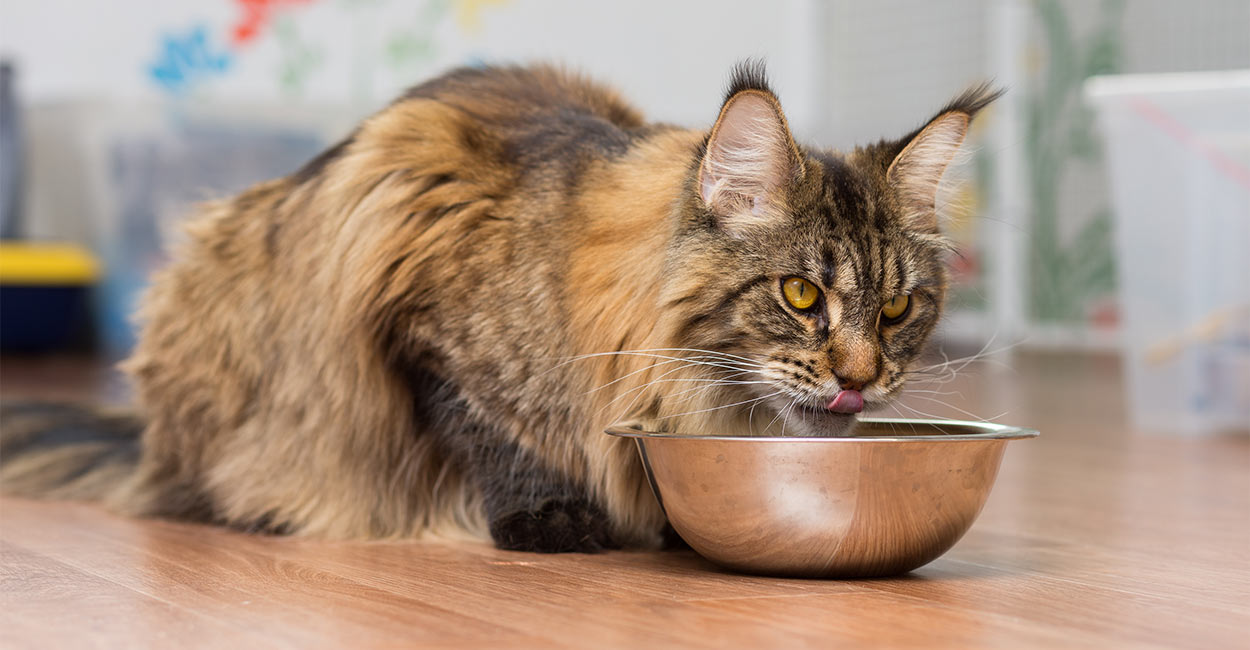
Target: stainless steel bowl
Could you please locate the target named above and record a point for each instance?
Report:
(892, 498)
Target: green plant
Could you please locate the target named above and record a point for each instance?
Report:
(1065, 277)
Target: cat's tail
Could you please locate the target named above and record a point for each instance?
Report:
(60, 451)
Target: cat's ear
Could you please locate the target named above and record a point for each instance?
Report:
(917, 170)
(750, 158)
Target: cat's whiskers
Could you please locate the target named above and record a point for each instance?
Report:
(642, 387)
(911, 391)
(894, 405)
(937, 377)
(708, 385)
(931, 416)
(785, 418)
(712, 362)
(631, 374)
(717, 364)
(751, 412)
(640, 390)
(967, 413)
(720, 357)
(712, 384)
(785, 421)
(715, 353)
(922, 414)
(785, 389)
(725, 406)
(984, 355)
(795, 397)
(751, 417)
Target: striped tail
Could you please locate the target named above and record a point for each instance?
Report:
(60, 451)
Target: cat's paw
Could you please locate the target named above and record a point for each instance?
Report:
(563, 526)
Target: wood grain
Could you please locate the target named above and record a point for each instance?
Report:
(1095, 536)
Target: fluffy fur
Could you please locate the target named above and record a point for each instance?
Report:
(426, 329)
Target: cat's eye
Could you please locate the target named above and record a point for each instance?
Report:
(895, 309)
(800, 293)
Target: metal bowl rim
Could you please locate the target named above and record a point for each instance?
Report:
(990, 431)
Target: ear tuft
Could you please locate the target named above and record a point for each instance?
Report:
(748, 75)
(750, 156)
(917, 170)
(971, 101)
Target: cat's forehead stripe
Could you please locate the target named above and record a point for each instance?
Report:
(840, 188)
(864, 264)
(900, 274)
(829, 265)
(848, 271)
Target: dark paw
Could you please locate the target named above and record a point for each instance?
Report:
(555, 527)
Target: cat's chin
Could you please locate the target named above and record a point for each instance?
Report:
(815, 422)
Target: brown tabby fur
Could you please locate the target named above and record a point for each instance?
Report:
(391, 342)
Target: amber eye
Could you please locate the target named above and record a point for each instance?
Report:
(800, 293)
(895, 309)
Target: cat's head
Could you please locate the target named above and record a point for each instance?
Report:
(822, 274)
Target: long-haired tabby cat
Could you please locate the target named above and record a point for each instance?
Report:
(426, 329)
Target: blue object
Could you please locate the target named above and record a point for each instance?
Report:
(39, 318)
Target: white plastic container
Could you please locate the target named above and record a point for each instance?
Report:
(1178, 150)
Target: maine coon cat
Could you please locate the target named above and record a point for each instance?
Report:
(426, 329)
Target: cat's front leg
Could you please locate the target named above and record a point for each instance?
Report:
(530, 507)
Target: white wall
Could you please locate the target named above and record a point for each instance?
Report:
(848, 71)
(672, 58)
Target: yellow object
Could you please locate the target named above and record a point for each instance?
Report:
(1208, 330)
(27, 263)
(800, 293)
(896, 307)
(469, 13)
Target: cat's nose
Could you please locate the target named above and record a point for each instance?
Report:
(852, 383)
(857, 368)
(855, 360)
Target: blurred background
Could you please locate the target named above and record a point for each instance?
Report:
(1108, 208)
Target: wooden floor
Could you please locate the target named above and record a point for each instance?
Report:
(1095, 536)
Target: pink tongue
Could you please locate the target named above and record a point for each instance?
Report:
(847, 401)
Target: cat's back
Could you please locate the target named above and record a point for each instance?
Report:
(517, 96)
(288, 329)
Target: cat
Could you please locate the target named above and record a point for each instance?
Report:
(425, 330)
